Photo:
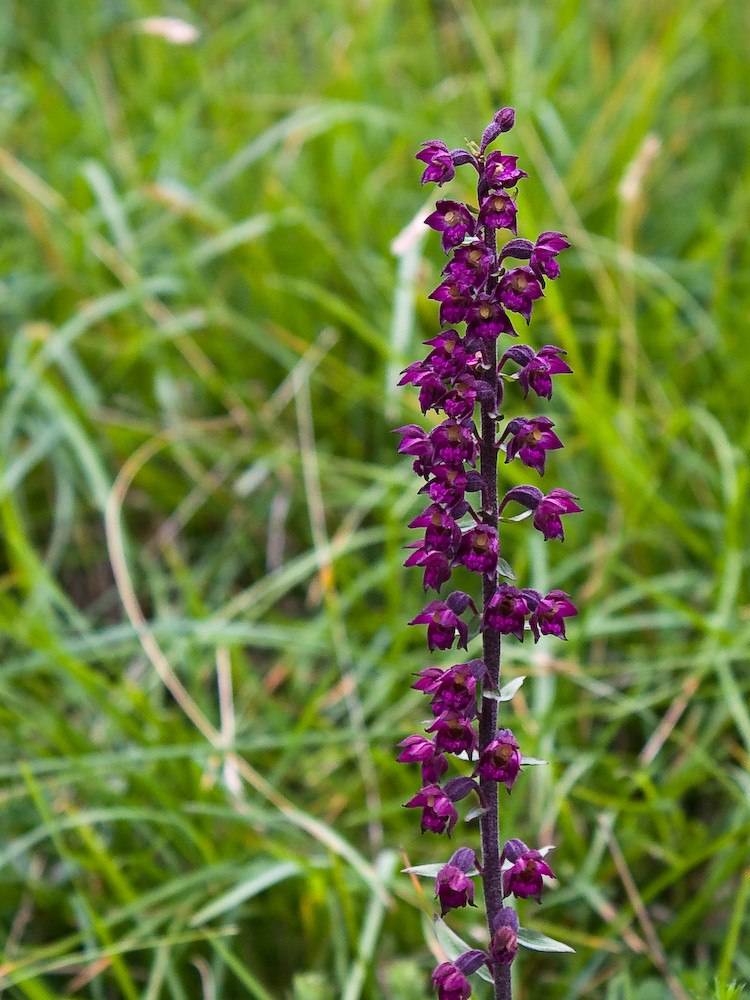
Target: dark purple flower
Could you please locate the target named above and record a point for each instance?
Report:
(455, 442)
(454, 302)
(453, 888)
(501, 171)
(547, 617)
(524, 878)
(506, 611)
(451, 983)
(487, 319)
(531, 439)
(453, 690)
(504, 942)
(440, 167)
(438, 812)
(442, 532)
(498, 210)
(454, 221)
(449, 357)
(436, 565)
(454, 735)
(547, 509)
(432, 391)
(518, 289)
(538, 369)
(550, 509)
(470, 266)
(500, 760)
(447, 485)
(442, 625)
(478, 549)
(546, 248)
(420, 749)
(414, 440)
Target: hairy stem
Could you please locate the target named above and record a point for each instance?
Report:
(489, 823)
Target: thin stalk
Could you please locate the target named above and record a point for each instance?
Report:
(489, 822)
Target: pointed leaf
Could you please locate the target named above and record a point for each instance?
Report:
(540, 942)
(507, 692)
(504, 569)
(425, 871)
(532, 760)
(473, 813)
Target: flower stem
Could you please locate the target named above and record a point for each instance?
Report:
(489, 823)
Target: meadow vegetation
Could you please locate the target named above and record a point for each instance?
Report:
(205, 659)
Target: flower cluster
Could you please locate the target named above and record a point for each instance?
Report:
(483, 287)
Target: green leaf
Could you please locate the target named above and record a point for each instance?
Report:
(474, 813)
(540, 942)
(504, 569)
(507, 692)
(532, 761)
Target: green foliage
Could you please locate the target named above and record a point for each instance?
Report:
(202, 603)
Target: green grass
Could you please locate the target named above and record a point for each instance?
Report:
(205, 659)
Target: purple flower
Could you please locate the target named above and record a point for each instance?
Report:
(546, 248)
(449, 357)
(439, 163)
(470, 266)
(498, 210)
(453, 888)
(436, 565)
(447, 485)
(518, 289)
(443, 623)
(531, 440)
(487, 319)
(500, 760)
(455, 442)
(547, 509)
(537, 369)
(438, 812)
(432, 391)
(451, 983)
(454, 221)
(442, 531)
(550, 509)
(454, 302)
(453, 690)
(420, 749)
(504, 942)
(506, 611)
(547, 617)
(501, 171)
(454, 735)
(524, 878)
(478, 549)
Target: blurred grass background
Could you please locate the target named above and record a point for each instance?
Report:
(205, 659)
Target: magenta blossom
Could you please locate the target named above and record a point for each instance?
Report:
(438, 812)
(549, 614)
(439, 163)
(531, 440)
(500, 760)
(453, 888)
(451, 983)
(454, 221)
(519, 288)
(523, 878)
